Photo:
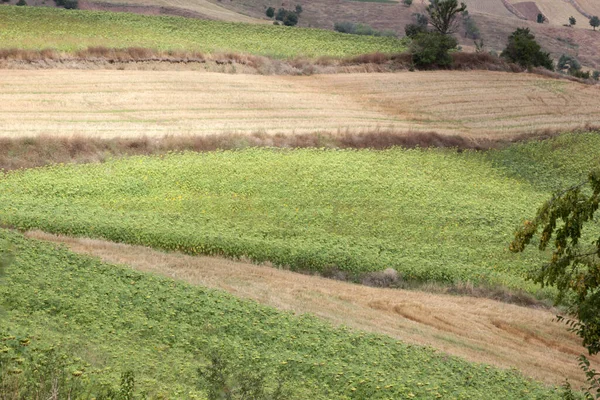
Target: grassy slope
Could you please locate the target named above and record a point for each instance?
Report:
(40, 27)
(431, 214)
(111, 319)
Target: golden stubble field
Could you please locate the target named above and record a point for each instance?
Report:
(113, 103)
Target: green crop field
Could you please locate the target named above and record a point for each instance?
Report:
(433, 215)
(95, 321)
(69, 30)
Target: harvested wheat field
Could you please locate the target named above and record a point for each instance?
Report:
(477, 329)
(591, 7)
(151, 103)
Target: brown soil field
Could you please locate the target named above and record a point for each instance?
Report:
(528, 9)
(479, 330)
(104, 103)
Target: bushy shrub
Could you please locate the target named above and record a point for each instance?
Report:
(412, 30)
(596, 75)
(568, 64)
(270, 12)
(407, 3)
(299, 9)
(21, 3)
(291, 19)
(432, 49)
(523, 49)
(360, 29)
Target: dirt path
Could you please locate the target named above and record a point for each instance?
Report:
(478, 330)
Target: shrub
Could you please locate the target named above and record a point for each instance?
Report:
(270, 12)
(572, 21)
(596, 75)
(291, 19)
(71, 4)
(595, 22)
(407, 3)
(568, 64)
(412, 30)
(540, 18)
(21, 3)
(281, 14)
(360, 29)
(432, 49)
(522, 49)
(298, 9)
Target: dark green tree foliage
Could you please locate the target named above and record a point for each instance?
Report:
(412, 30)
(523, 49)
(21, 3)
(270, 12)
(432, 49)
(291, 19)
(574, 267)
(299, 9)
(572, 21)
(541, 19)
(595, 22)
(443, 15)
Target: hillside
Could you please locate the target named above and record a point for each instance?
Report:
(477, 105)
(76, 340)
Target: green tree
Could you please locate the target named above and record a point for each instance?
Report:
(595, 22)
(443, 15)
(270, 12)
(291, 19)
(432, 49)
(574, 266)
(407, 3)
(541, 19)
(523, 49)
(572, 21)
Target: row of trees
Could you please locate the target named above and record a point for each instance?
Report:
(286, 17)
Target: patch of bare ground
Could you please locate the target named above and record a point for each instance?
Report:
(106, 103)
(477, 329)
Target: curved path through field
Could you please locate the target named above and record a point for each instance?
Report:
(112, 103)
(476, 329)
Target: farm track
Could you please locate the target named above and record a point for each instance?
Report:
(103, 103)
(476, 329)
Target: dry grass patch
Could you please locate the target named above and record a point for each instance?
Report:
(479, 330)
(478, 104)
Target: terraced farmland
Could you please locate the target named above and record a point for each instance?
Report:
(135, 103)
